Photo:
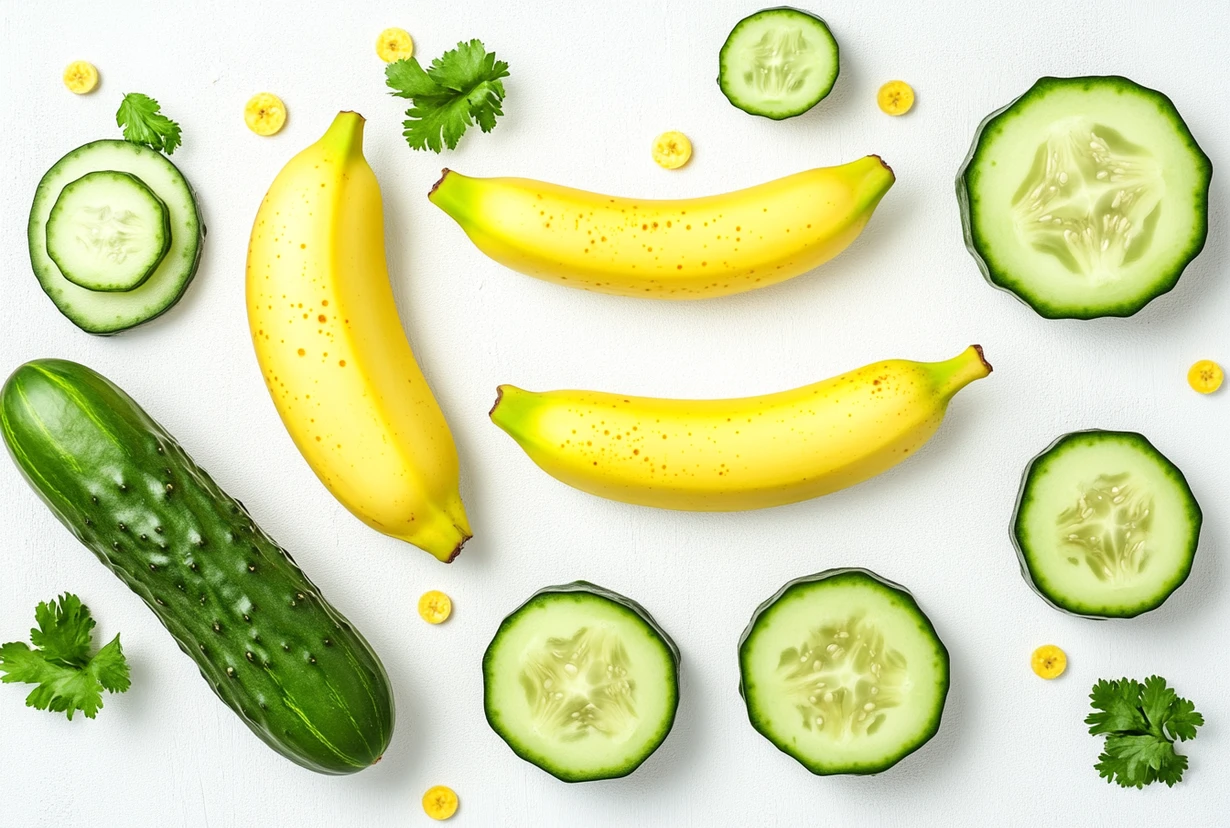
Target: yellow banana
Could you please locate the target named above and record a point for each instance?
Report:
(730, 455)
(679, 249)
(333, 352)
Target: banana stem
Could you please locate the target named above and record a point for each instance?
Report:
(954, 374)
(345, 134)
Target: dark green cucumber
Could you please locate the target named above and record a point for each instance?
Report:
(298, 674)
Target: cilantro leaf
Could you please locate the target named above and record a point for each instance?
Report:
(141, 119)
(68, 678)
(1141, 723)
(461, 88)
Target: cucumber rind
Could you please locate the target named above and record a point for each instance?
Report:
(129, 492)
(48, 274)
(150, 267)
(624, 602)
(908, 597)
(1001, 279)
(775, 115)
(1195, 515)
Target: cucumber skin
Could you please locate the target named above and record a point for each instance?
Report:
(824, 576)
(292, 667)
(964, 202)
(1023, 559)
(613, 597)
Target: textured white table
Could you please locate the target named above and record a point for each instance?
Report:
(591, 85)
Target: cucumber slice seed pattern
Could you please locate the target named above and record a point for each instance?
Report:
(580, 685)
(1108, 528)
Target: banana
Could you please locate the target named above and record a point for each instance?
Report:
(333, 352)
(731, 455)
(679, 249)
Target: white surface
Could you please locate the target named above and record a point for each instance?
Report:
(591, 85)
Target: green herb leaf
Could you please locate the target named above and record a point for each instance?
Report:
(68, 677)
(143, 123)
(1141, 723)
(462, 87)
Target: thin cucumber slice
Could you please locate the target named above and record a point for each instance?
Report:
(581, 682)
(842, 671)
(102, 312)
(778, 63)
(1085, 197)
(1105, 526)
(108, 231)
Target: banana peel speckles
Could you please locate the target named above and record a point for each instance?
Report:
(731, 455)
(673, 249)
(334, 354)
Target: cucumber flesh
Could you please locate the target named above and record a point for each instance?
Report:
(581, 682)
(108, 231)
(103, 312)
(842, 671)
(1105, 525)
(1085, 197)
(778, 63)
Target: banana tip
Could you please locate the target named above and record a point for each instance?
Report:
(457, 549)
(884, 164)
(499, 395)
(443, 175)
(982, 356)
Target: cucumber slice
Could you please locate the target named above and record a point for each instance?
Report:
(1105, 526)
(581, 682)
(842, 671)
(778, 63)
(108, 231)
(102, 312)
(1085, 197)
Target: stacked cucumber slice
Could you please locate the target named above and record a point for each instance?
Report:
(115, 235)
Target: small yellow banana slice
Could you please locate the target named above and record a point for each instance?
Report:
(264, 113)
(1205, 376)
(435, 607)
(80, 77)
(895, 98)
(395, 44)
(671, 150)
(440, 802)
(1048, 661)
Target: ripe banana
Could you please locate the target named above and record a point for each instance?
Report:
(730, 455)
(333, 352)
(680, 249)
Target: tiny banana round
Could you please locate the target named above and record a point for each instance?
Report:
(677, 249)
(334, 354)
(737, 454)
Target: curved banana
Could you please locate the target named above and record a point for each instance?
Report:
(333, 351)
(730, 455)
(679, 249)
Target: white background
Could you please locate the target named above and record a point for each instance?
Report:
(591, 85)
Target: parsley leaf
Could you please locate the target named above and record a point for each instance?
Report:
(68, 677)
(1141, 723)
(143, 123)
(460, 88)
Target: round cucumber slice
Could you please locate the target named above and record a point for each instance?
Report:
(1085, 197)
(1105, 526)
(842, 671)
(778, 63)
(581, 682)
(108, 231)
(103, 312)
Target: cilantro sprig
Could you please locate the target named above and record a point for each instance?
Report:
(142, 120)
(1141, 723)
(460, 88)
(68, 677)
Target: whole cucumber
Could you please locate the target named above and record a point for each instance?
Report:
(297, 673)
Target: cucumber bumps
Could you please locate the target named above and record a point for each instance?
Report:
(1085, 197)
(294, 670)
(842, 671)
(1105, 525)
(581, 682)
